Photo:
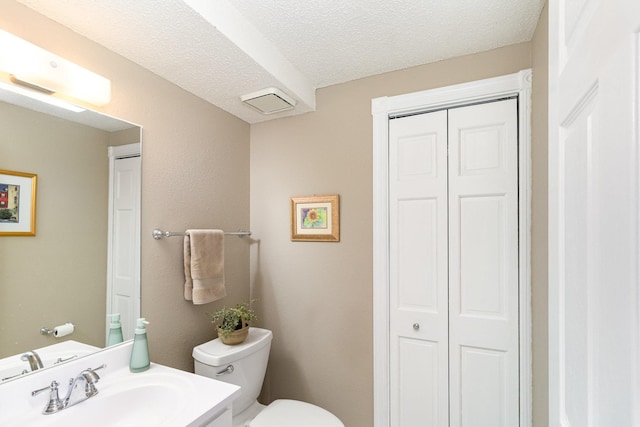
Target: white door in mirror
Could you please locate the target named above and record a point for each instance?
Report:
(123, 287)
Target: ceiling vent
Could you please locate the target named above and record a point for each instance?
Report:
(268, 101)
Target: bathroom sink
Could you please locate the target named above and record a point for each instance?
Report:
(151, 398)
(160, 396)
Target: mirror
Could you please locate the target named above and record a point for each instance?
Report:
(60, 274)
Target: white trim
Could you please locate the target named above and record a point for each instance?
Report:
(557, 56)
(122, 151)
(636, 274)
(380, 262)
(385, 107)
(114, 153)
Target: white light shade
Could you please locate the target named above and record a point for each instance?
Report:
(35, 66)
(15, 95)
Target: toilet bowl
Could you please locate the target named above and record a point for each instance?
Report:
(245, 365)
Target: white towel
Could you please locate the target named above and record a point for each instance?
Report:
(204, 266)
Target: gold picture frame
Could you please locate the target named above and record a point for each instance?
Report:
(315, 218)
(17, 203)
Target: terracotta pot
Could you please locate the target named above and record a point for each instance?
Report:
(235, 337)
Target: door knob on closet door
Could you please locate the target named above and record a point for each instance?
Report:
(416, 326)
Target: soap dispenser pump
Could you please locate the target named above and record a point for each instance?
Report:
(115, 330)
(140, 352)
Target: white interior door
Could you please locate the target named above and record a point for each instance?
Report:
(123, 292)
(453, 233)
(418, 270)
(593, 212)
(483, 265)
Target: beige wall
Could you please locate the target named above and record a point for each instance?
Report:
(68, 255)
(317, 297)
(126, 136)
(195, 174)
(539, 223)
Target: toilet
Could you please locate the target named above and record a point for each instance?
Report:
(245, 365)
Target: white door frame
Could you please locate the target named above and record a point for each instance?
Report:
(382, 109)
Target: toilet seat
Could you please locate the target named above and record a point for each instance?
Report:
(294, 413)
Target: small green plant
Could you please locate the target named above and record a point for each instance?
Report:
(232, 319)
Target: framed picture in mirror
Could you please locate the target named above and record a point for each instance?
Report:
(17, 203)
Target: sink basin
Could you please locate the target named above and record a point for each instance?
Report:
(161, 396)
(150, 398)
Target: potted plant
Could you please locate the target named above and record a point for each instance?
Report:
(233, 323)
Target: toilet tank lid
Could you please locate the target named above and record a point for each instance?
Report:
(215, 353)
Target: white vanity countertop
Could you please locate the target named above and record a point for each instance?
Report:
(160, 396)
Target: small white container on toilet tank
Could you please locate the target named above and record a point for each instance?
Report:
(245, 365)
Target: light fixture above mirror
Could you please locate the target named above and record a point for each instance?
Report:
(12, 90)
(40, 73)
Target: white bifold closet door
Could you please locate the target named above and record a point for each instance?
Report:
(453, 191)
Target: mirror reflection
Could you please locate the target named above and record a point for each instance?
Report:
(66, 273)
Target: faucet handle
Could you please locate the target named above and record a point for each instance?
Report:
(104, 365)
(40, 390)
(55, 404)
(91, 378)
(60, 359)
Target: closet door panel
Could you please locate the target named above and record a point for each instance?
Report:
(419, 398)
(483, 264)
(482, 247)
(418, 270)
(418, 255)
(483, 387)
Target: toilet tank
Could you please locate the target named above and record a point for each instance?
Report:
(248, 360)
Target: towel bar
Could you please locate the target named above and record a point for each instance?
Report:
(159, 234)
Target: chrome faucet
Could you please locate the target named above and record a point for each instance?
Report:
(55, 404)
(34, 360)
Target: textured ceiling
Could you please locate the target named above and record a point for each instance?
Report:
(222, 49)
(336, 41)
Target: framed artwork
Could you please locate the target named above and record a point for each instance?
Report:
(17, 203)
(315, 218)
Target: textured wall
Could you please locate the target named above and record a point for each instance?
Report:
(317, 297)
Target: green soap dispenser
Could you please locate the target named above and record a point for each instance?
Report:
(115, 330)
(140, 352)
